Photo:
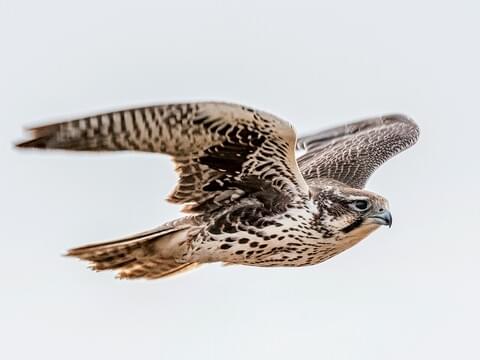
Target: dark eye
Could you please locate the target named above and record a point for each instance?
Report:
(360, 205)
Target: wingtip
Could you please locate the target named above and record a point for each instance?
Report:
(38, 137)
(38, 143)
(398, 117)
(32, 141)
(403, 119)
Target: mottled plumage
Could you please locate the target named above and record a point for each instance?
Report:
(250, 200)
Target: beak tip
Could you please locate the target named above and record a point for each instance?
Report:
(384, 217)
(389, 219)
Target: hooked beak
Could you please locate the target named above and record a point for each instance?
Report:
(382, 217)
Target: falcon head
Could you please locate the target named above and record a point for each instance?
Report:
(346, 210)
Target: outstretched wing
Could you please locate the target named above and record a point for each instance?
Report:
(351, 153)
(221, 151)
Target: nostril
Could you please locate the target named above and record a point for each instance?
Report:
(381, 210)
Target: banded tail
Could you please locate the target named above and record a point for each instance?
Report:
(149, 255)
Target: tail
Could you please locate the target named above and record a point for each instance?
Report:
(149, 255)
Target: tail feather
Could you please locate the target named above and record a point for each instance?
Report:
(150, 254)
(150, 269)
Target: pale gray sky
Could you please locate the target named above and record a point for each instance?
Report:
(409, 292)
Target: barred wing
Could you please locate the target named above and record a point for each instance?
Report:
(221, 151)
(351, 153)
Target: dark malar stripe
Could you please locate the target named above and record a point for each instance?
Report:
(357, 223)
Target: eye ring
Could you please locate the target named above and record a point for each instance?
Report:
(360, 205)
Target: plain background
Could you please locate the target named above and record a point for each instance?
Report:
(411, 292)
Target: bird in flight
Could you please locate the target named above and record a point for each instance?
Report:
(247, 199)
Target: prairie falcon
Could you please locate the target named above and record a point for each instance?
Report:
(248, 199)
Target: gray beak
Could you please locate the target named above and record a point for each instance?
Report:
(382, 217)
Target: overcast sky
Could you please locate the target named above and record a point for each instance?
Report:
(409, 292)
